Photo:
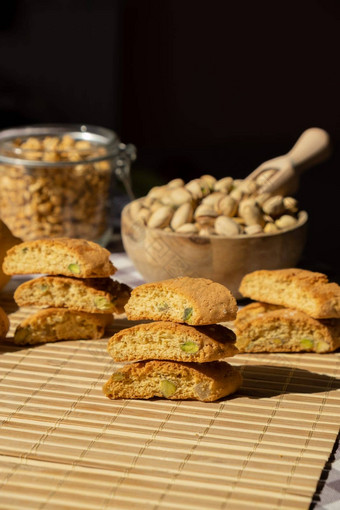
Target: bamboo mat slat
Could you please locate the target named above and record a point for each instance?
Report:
(64, 445)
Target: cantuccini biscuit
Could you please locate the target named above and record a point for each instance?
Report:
(262, 327)
(172, 341)
(53, 324)
(194, 301)
(94, 295)
(60, 256)
(302, 290)
(4, 323)
(174, 380)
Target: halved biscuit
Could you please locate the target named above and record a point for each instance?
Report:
(262, 327)
(93, 295)
(4, 323)
(60, 256)
(173, 380)
(172, 341)
(53, 324)
(195, 301)
(303, 290)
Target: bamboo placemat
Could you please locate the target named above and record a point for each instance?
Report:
(64, 445)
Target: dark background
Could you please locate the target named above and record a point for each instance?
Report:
(199, 87)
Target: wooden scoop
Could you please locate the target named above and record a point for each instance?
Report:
(283, 173)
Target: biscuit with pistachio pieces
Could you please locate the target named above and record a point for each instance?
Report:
(53, 324)
(194, 301)
(303, 290)
(173, 380)
(171, 341)
(4, 323)
(61, 256)
(262, 327)
(93, 295)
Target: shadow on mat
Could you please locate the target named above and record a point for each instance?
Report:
(264, 381)
(8, 346)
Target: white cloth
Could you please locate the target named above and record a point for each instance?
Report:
(126, 271)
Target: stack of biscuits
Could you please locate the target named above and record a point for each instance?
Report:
(294, 310)
(76, 297)
(178, 353)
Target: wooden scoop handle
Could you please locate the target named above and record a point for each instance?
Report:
(311, 148)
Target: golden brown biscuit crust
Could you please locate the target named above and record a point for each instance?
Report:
(194, 301)
(303, 290)
(62, 256)
(172, 341)
(262, 327)
(4, 323)
(173, 380)
(53, 324)
(253, 310)
(93, 295)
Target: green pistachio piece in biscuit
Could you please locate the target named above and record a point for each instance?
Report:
(163, 307)
(102, 303)
(321, 346)
(168, 388)
(190, 347)
(202, 391)
(74, 268)
(249, 346)
(118, 376)
(187, 314)
(20, 334)
(24, 250)
(43, 287)
(307, 344)
(276, 341)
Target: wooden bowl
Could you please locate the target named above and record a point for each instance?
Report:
(159, 255)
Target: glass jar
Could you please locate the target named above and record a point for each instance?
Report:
(56, 180)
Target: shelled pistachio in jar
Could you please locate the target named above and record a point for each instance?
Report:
(56, 186)
(207, 206)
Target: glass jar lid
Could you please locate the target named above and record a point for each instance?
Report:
(25, 145)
